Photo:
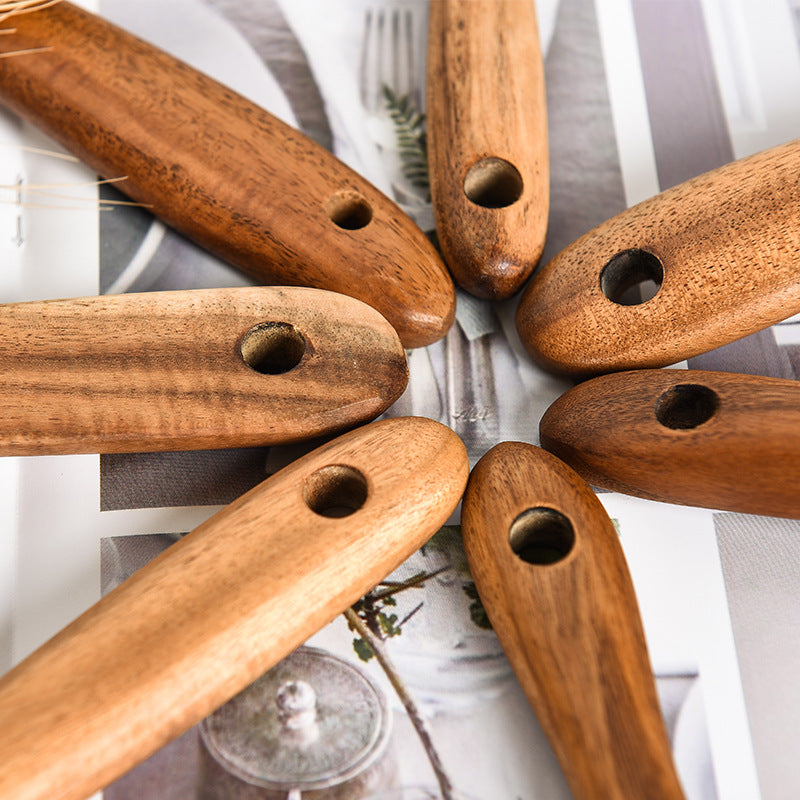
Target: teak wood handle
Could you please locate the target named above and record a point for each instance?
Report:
(184, 370)
(222, 170)
(487, 141)
(727, 245)
(223, 605)
(551, 573)
(710, 439)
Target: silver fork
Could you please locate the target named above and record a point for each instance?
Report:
(392, 54)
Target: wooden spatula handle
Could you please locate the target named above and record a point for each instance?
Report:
(220, 607)
(724, 247)
(220, 169)
(184, 370)
(711, 439)
(487, 141)
(550, 571)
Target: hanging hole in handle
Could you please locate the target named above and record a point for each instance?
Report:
(541, 535)
(273, 348)
(335, 491)
(632, 277)
(349, 210)
(686, 406)
(493, 183)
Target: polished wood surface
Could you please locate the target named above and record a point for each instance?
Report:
(223, 605)
(183, 370)
(221, 170)
(487, 141)
(692, 437)
(727, 243)
(571, 627)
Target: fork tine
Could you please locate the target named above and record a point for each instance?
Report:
(394, 49)
(365, 74)
(385, 57)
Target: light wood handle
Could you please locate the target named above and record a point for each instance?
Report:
(221, 170)
(223, 605)
(727, 244)
(551, 573)
(487, 135)
(194, 369)
(710, 439)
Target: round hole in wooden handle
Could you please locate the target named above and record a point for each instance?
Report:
(687, 405)
(632, 277)
(349, 210)
(273, 348)
(541, 535)
(337, 490)
(493, 183)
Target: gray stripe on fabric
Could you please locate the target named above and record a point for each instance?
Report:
(689, 129)
(585, 177)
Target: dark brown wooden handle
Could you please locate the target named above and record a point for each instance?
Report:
(487, 134)
(223, 605)
(724, 247)
(550, 571)
(221, 170)
(692, 437)
(207, 368)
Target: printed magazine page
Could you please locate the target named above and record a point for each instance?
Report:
(641, 95)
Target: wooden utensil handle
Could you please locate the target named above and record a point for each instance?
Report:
(220, 607)
(699, 438)
(723, 247)
(550, 571)
(194, 369)
(487, 141)
(220, 169)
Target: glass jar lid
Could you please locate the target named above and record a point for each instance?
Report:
(312, 721)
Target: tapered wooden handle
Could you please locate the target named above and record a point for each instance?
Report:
(710, 439)
(724, 247)
(222, 170)
(487, 135)
(194, 369)
(222, 606)
(550, 571)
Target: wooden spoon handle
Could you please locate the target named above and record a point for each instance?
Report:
(220, 169)
(223, 605)
(550, 571)
(487, 135)
(724, 247)
(698, 438)
(193, 369)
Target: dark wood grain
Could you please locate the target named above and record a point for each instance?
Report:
(486, 110)
(724, 441)
(728, 244)
(571, 628)
(182, 370)
(221, 170)
(220, 607)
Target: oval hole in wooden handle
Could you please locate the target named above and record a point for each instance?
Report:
(493, 183)
(337, 490)
(632, 277)
(273, 348)
(541, 535)
(349, 210)
(687, 405)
